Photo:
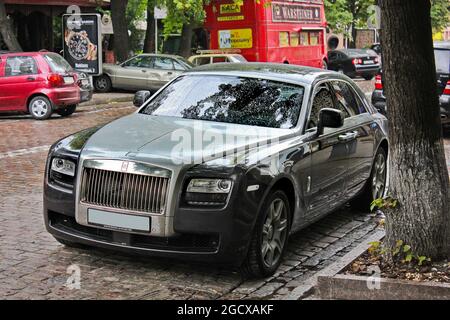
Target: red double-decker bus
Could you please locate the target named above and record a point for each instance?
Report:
(283, 31)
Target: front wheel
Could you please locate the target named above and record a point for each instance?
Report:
(269, 238)
(67, 111)
(376, 185)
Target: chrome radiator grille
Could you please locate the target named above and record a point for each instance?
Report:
(128, 191)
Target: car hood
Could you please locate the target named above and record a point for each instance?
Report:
(165, 139)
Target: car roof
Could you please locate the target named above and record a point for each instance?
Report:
(280, 72)
(217, 55)
(27, 54)
(173, 56)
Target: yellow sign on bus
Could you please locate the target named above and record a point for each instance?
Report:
(230, 8)
(236, 38)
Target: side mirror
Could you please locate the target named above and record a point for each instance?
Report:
(329, 118)
(140, 97)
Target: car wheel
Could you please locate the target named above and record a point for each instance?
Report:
(368, 78)
(71, 244)
(269, 238)
(376, 185)
(40, 108)
(67, 111)
(324, 65)
(103, 83)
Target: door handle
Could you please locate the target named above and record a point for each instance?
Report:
(144, 70)
(348, 136)
(31, 79)
(169, 73)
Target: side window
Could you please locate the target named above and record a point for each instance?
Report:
(220, 59)
(140, 62)
(200, 61)
(347, 99)
(163, 63)
(19, 66)
(322, 99)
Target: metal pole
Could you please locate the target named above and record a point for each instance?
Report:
(156, 35)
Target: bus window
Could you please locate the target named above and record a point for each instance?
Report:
(304, 38)
(284, 39)
(314, 38)
(294, 39)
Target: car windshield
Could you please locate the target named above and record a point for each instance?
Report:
(359, 52)
(230, 99)
(442, 58)
(185, 63)
(57, 63)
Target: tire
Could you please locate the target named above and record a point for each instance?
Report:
(368, 78)
(374, 188)
(102, 84)
(67, 111)
(257, 264)
(40, 108)
(71, 244)
(324, 65)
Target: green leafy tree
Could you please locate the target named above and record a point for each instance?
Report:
(439, 14)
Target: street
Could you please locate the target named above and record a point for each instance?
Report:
(34, 266)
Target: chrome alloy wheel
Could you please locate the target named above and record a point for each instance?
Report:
(39, 108)
(274, 233)
(379, 177)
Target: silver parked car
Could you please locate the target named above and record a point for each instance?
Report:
(144, 71)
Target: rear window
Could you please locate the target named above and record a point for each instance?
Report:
(442, 58)
(57, 63)
(230, 99)
(360, 52)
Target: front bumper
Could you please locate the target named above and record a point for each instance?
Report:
(207, 235)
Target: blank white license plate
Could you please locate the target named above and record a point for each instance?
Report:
(68, 80)
(368, 62)
(118, 221)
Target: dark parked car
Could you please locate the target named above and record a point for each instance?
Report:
(291, 144)
(354, 62)
(442, 58)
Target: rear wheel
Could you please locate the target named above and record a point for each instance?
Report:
(67, 111)
(269, 238)
(102, 83)
(40, 108)
(376, 185)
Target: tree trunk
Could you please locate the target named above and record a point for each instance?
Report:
(418, 171)
(149, 42)
(186, 40)
(121, 38)
(6, 30)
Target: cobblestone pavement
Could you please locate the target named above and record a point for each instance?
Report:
(34, 266)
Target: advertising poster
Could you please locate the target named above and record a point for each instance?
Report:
(82, 42)
(236, 39)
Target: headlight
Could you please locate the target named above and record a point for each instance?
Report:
(63, 166)
(209, 186)
(208, 192)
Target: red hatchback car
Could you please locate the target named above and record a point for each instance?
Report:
(39, 83)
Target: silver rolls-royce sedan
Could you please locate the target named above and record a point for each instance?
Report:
(220, 165)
